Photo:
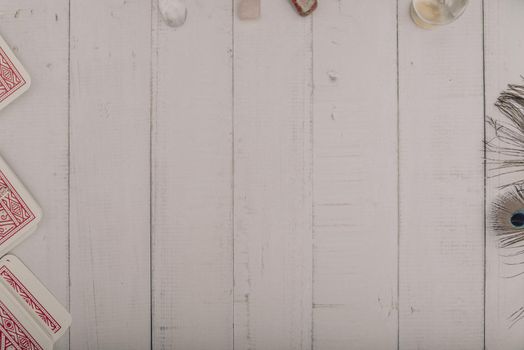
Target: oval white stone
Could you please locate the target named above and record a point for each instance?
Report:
(174, 12)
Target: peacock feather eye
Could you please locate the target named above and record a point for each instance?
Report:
(517, 219)
(507, 217)
(505, 158)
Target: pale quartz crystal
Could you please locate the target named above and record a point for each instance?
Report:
(174, 12)
(430, 13)
(249, 9)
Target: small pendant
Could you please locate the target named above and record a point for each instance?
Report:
(305, 7)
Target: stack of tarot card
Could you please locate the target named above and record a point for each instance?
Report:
(30, 317)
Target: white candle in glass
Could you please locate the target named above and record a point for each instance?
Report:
(431, 13)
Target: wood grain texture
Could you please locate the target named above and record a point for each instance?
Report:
(192, 180)
(110, 158)
(34, 133)
(273, 189)
(441, 297)
(274, 159)
(355, 176)
(504, 47)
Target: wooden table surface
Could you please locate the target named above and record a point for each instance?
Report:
(280, 184)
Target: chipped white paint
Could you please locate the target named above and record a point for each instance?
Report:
(275, 148)
(174, 12)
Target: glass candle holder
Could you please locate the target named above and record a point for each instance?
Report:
(431, 13)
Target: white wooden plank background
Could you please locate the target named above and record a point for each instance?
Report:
(355, 176)
(192, 181)
(441, 270)
(272, 181)
(504, 56)
(110, 71)
(34, 133)
(284, 183)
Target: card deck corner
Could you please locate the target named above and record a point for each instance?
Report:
(20, 214)
(41, 311)
(14, 78)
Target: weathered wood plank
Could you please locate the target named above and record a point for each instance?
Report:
(273, 188)
(110, 157)
(441, 127)
(504, 50)
(34, 133)
(355, 175)
(192, 180)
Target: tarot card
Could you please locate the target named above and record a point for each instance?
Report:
(14, 79)
(17, 330)
(40, 314)
(19, 213)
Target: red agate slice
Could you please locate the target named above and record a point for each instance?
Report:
(305, 7)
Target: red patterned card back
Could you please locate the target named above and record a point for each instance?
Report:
(13, 335)
(20, 289)
(10, 78)
(36, 302)
(14, 212)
